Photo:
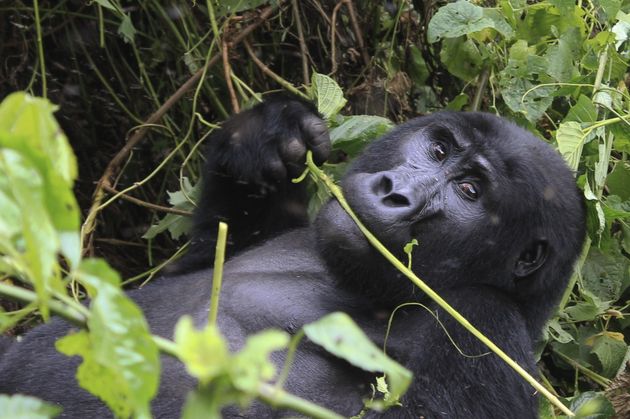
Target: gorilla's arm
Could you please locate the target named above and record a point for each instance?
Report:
(250, 162)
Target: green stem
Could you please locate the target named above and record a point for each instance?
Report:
(336, 192)
(40, 47)
(101, 27)
(278, 398)
(217, 274)
(72, 314)
(69, 313)
(284, 374)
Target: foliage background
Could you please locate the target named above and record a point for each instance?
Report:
(558, 68)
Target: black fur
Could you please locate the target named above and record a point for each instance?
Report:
(499, 222)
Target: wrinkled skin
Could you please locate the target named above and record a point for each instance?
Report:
(499, 223)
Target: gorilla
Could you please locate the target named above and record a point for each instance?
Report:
(499, 222)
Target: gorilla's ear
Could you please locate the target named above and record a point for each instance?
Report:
(532, 258)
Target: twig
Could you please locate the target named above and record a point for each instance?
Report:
(303, 49)
(87, 229)
(483, 80)
(336, 192)
(333, 36)
(146, 204)
(282, 82)
(227, 70)
(357, 31)
(40, 47)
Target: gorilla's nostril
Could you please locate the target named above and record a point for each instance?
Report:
(384, 186)
(396, 200)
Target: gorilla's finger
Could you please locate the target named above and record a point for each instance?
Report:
(321, 152)
(275, 170)
(292, 150)
(317, 137)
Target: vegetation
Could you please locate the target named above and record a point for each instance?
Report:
(139, 87)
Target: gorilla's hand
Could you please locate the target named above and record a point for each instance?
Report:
(267, 144)
(250, 162)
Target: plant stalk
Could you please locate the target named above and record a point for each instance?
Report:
(217, 274)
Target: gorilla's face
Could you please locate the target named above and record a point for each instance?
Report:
(471, 188)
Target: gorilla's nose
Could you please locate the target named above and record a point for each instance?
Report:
(396, 196)
(384, 189)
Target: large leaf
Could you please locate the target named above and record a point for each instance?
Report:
(462, 18)
(570, 140)
(39, 168)
(356, 131)
(606, 274)
(591, 405)
(340, 336)
(462, 58)
(120, 360)
(327, 94)
(610, 350)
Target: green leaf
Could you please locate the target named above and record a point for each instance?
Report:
(418, 70)
(252, 364)
(545, 409)
(560, 57)
(458, 102)
(126, 29)
(37, 171)
(618, 181)
(26, 407)
(36, 133)
(120, 360)
(611, 354)
(327, 94)
(583, 311)
(107, 4)
(570, 140)
(607, 9)
(592, 405)
(603, 274)
(10, 319)
(521, 95)
(23, 185)
(583, 111)
(563, 6)
(177, 225)
(558, 333)
(461, 58)
(463, 18)
(340, 336)
(204, 353)
(356, 131)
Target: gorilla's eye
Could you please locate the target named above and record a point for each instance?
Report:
(469, 189)
(439, 151)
